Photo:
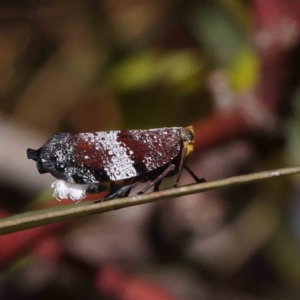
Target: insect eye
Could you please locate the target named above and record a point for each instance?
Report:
(187, 135)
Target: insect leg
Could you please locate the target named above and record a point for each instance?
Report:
(157, 180)
(182, 157)
(196, 178)
(120, 193)
(156, 186)
(126, 193)
(181, 166)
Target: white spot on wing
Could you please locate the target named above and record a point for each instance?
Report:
(119, 164)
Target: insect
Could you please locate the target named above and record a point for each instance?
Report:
(115, 161)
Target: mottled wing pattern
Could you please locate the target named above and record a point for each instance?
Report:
(129, 153)
(110, 155)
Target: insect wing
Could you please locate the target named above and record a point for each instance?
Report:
(129, 153)
(110, 155)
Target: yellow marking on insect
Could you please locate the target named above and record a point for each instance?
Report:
(189, 144)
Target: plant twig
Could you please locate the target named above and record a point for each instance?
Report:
(61, 213)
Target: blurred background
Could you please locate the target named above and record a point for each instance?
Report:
(230, 68)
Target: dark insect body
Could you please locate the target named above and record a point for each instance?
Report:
(116, 160)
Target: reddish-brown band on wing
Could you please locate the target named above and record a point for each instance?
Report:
(128, 153)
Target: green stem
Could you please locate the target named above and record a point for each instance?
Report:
(61, 213)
